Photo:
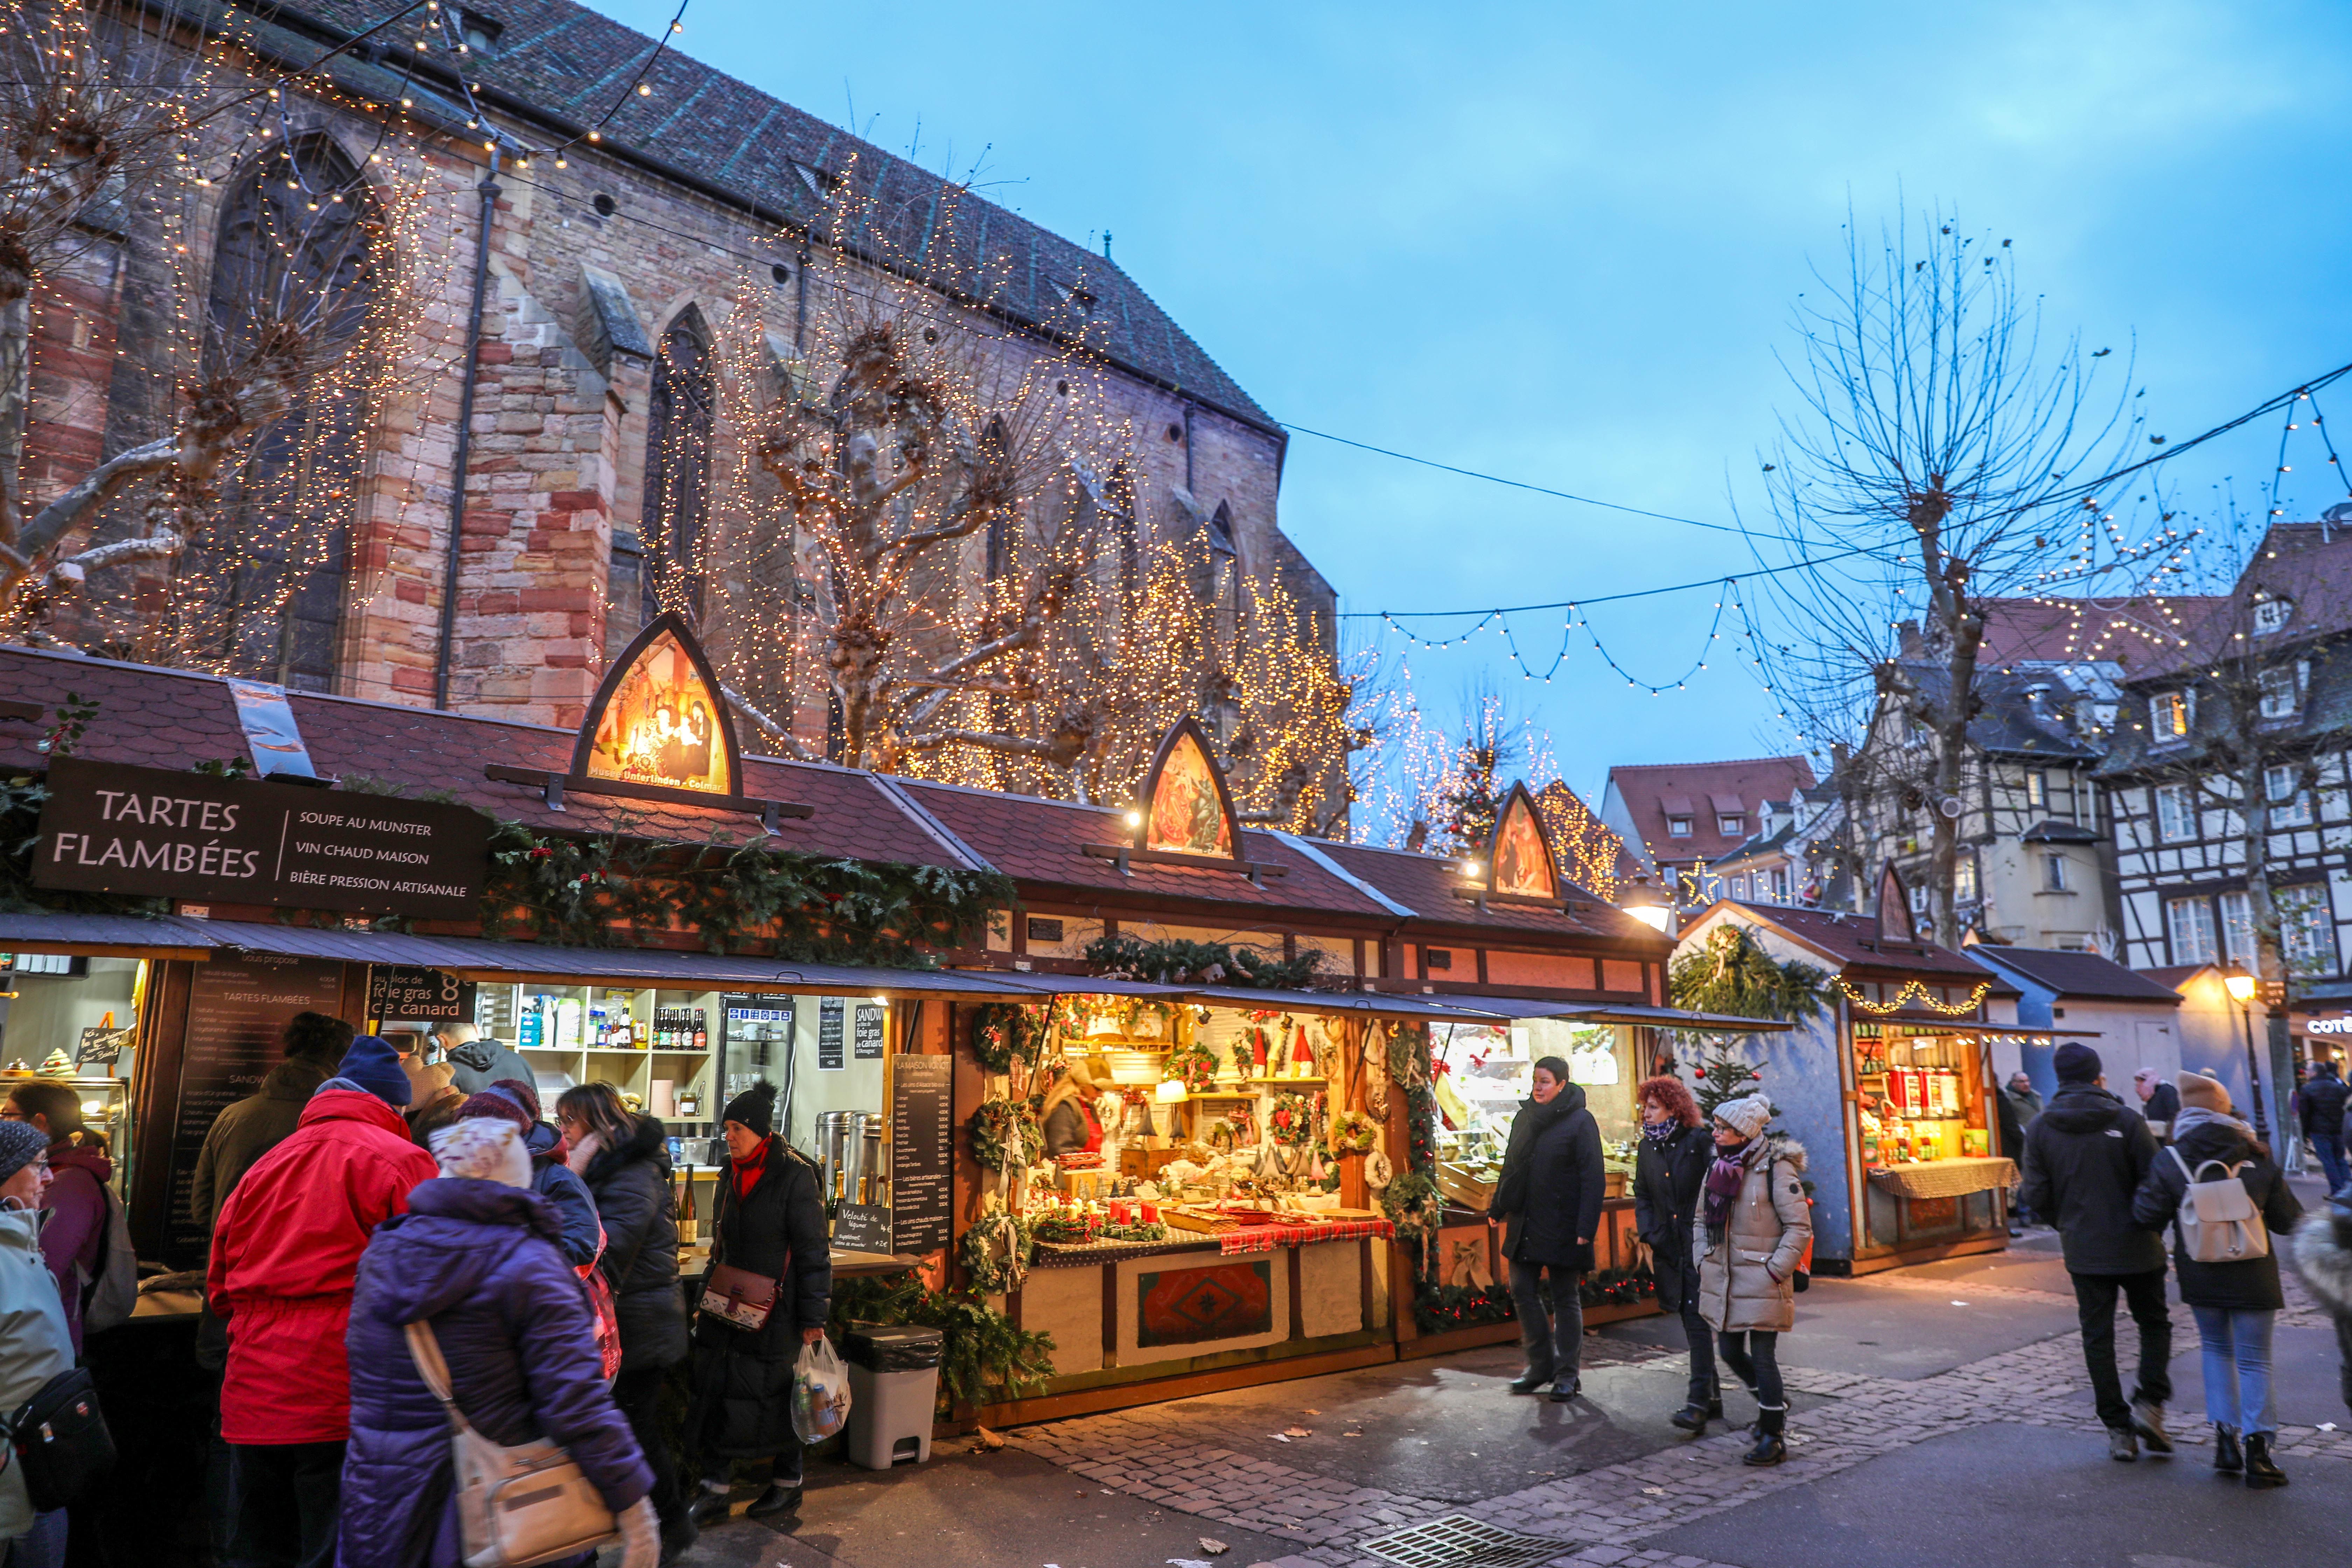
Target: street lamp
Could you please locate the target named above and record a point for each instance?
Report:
(1649, 905)
(2239, 983)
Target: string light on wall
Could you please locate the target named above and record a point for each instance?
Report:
(1914, 990)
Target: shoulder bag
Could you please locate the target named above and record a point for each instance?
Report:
(736, 1296)
(61, 1441)
(530, 1503)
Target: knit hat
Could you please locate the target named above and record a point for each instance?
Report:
(526, 1095)
(375, 1066)
(1746, 1115)
(487, 1148)
(496, 1102)
(21, 1143)
(2075, 1063)
(2201, 1092)
(755, 1108)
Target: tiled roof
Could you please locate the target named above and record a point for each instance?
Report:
(2175, 975)
(2306, 563)
(2136, 633)
(1693, 789)
(1851, 940)
(2083, 975)
(2018, 714)
(172, 719)
(1426, 884)
(571, 63)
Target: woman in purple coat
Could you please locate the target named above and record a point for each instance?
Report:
(475, 1256)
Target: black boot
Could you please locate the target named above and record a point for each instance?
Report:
(2226, 1456)
(778, 1498)
(1692, 1417)
(1529, 1383)
(1771, 1422)
(710, 1505)
(2261, 1473)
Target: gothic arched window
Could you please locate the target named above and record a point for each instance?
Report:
(262, 586)
(678, 471)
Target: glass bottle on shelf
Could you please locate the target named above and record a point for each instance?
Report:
(690, 1226)
(701, 1032)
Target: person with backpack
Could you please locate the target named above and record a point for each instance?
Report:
(1756, 1227)
(2086, 1156)
(2224, 1198)
(2320, 1103)
(34, 1343)
(75, 1237)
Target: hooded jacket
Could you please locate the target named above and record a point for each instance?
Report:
(2250, 1283)
(73, 1240)
(631, 1183)
(742, 1378)
(249, 1129)
(480, 1262)
(34, 1345)
(1669, 1178)
(1552, 1184)
(574, 1205)
(478, 1064)
(2085, 1157)
(1750, 1280)
(285, 1251)
(2321, 1103)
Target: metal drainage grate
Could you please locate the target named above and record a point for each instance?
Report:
(1457, 1540)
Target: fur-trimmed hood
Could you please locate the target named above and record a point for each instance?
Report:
(1786, 1150)
(2323, 1256)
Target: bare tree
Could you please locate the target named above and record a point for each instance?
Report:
(1929, 469)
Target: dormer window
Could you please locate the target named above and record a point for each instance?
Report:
(1731, 826)
(1076, 297)
(2273, 614)
(1678, 827)
(480, 33)
(2169, 714)
(821, 184)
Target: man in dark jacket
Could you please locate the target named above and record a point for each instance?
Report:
(2321, 1101)
(2160, 1102)
(475, 1063)
(1551, 1195)
(2085, 1157)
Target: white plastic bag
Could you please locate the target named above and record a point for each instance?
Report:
(820, 1393)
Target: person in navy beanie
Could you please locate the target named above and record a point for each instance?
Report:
(373, 1064)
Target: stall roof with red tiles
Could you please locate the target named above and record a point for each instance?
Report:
(1853, 942)
(1427, 885)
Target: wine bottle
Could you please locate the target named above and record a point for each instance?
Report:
(701, 1032)
(689, 1229)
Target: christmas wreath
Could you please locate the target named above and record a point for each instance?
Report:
(1194, 1067)
(1353, 1133)
(993, 1126)
(1293, 1120)
(995, 1250)
(997, 1035)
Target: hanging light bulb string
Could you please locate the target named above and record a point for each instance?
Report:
(638, 86)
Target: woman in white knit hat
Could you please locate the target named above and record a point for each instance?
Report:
(1756, 1225)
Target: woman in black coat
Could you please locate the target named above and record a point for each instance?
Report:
(1669, 1175)
(1550, 1194)
(2236, 1303)
(624, 1158)
(771, 1223)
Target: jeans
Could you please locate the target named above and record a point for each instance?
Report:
(1705, 1388)
(1754, 1357)
(43, 1546)
(288, 1497)
(2237, 1343)
(638, 1393)
(1554, 1344)
(2329, 1147)
(2094, 1299)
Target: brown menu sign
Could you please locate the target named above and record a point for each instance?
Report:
(237, 1012)
(109, 829)
(922, 1140)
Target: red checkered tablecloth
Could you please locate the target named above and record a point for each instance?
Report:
(1266, 1237)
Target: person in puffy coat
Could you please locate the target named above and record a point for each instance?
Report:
(34, 1345)
(1669, 1173)
(552, 1176)
(625, 1159)
(477, 1259)
(1754, 1227)
(285, 1254)
(770, 1223)
(2236, 1303)
(1550, 1196)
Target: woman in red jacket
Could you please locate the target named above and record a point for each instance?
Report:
(285, 1259)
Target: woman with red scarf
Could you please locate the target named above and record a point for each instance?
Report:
(769, 1224)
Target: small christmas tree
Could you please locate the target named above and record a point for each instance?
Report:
(1724, 1075)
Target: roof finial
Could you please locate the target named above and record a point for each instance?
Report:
(1106, 245)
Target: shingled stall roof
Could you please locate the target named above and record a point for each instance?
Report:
(1426, 884)
(175, 718)
(1853, 942)
(2087, 975)
(700, 125)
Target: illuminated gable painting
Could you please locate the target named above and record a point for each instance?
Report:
(1186, 812)
(1522, 855)
(661, 720)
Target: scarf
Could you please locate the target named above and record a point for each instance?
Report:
(2197, 1116)
(1659, 1132)
(586, 1152)
(1724, 1180)
(749, 1171)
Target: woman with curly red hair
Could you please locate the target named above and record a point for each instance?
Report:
(1669, 1173)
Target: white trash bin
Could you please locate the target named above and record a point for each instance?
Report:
(894, 1383)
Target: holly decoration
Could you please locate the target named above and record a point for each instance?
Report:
(1194, 1067)
(999, 1031)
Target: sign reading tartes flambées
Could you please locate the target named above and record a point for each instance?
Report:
(106, 828)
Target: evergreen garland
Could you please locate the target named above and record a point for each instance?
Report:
(1177, 962)
(985, 1354)
(1731, 974)
(994, 1123)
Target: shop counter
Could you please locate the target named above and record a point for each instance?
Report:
(1946, 1178)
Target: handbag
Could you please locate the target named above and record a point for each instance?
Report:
(530, 1503)
(61, 1442)
(738, 1297)
(601, 1306)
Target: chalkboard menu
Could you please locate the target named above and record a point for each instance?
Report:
(237, 1012)
(922, 1141)
(828, 1033)
(869, 1042)
(862, 1228)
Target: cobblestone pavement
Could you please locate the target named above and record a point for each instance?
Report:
(1172, 1455)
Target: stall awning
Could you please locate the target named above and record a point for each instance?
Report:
(1604, 1012)
(1371, 1004)
(103, 936)
(1022, 982)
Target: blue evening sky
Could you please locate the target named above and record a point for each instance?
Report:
(1559, 242)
